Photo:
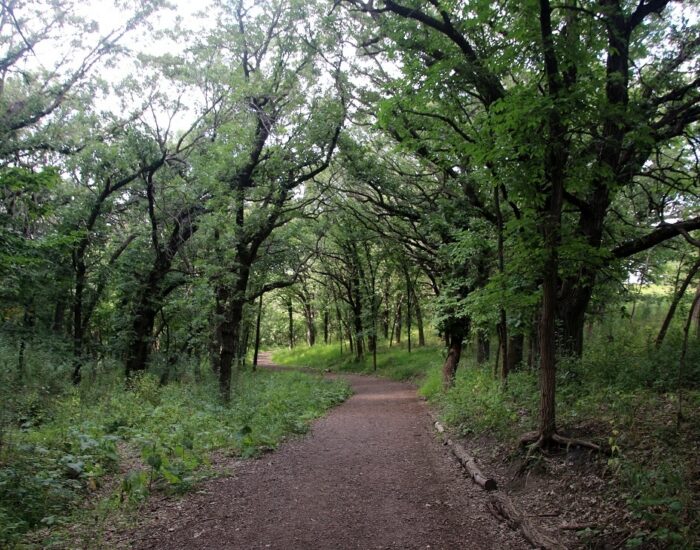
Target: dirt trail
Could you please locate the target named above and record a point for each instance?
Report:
(369, 475)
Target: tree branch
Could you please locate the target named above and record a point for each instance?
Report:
(662, 233)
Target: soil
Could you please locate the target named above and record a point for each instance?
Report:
(568, 494)
(370, 475)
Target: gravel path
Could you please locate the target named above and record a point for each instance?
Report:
(370, 475)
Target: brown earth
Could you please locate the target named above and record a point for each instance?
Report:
(370, 475)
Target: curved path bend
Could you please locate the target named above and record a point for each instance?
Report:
(369, 475)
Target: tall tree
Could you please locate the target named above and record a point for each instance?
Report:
(513, 83)
(282, 128)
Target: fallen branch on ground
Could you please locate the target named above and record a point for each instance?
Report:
(467, 461)
(502, 508)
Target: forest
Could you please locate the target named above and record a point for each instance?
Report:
(497, 201)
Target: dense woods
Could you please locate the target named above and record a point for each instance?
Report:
(510, 187)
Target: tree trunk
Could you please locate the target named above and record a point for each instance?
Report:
(290, 313)
(503, 321)
(674, 303)
(409, 293)
(339, 318)
(139, 348)
(326, 322)
(515, 351)
(357, 326)
(374, 346)
(572, 319)
(355, 299)
(419, 321)
(59, 316)
(398, 321)
(230, 343)
(386, 315)
(309, 317)
(483, 351)
(243, 343)
(79, 289)
(547, 425)
(145, 311)
(503, 345)
(554, 168)
(454, 353)
(215, 345)
(257, 333)
(20, 358)
(696, 312)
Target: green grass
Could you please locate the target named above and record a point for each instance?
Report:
(57, 450)
(392, 362)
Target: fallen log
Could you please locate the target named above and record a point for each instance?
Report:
(502, 508)
(467, 461)
(469, 464)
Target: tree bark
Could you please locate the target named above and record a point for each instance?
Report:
(290, 314)
(555, 159)
(503, 345)
(696, 312)
(503, 320)
(386, 315)
(515, 351)
(142, 336)
(398, 321)
(309, 317)
(257, 333)
(483, 351)
(339, 318)
(419, 320)
(79, 288)
(230, 342)
(409, 307)
(674, 304)
(59, 316)
(454, 354)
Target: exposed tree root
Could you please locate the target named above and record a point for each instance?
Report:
(534, 442)
(571, 442)
(503, 509)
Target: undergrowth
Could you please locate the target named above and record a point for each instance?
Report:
(394, 362)
(622, 394)
(59, 444)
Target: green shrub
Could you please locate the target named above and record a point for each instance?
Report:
(478, 403)
(659, 496)
(49, 465)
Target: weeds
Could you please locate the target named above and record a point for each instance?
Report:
(57, 451)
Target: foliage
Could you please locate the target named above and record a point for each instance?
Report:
(61, 443)
(395, 363)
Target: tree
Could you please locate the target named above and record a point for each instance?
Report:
(562, 159)
(280, 132)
